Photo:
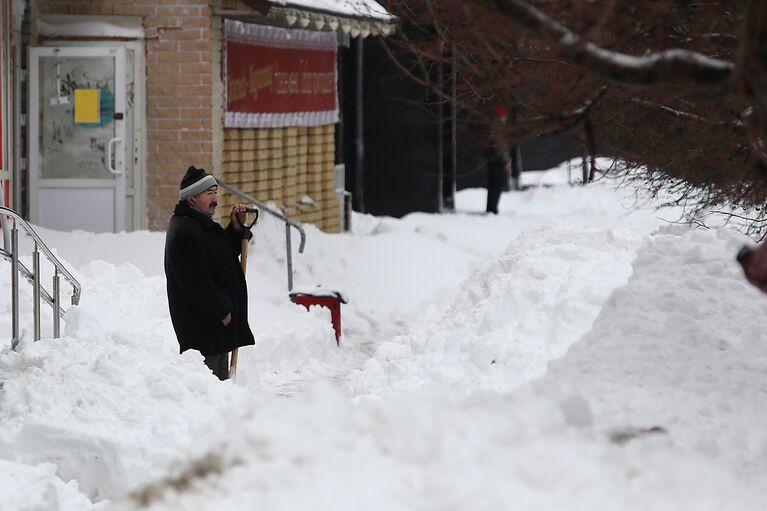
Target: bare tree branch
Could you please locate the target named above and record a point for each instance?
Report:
(665, 66)
(667, 109)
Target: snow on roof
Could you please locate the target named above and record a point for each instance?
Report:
(351, 8)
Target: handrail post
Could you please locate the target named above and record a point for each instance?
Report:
(39, 292)
(40, 246)
(282, 218)
(289, 246)
(56, 305)
(36, 291)
(15, 285)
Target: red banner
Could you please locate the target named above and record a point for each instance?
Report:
(2, 90)
(6, 110)
(278, 77)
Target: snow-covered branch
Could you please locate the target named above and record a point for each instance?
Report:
(673, 111)
(664, 66)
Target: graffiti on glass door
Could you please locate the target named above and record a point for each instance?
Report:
(69, 147)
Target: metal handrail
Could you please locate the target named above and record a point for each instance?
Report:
(48, 254)
(34, 276)
(29, 276)
(288, 224)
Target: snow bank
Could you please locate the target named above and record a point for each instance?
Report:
(25, 487)
(510, 317)
(684, 346)
(426, 405)
(436, 450)
(111, 403)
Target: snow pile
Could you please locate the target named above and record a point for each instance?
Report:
(683, 345)
(644, 347)
(510, 317)
(436, 450)
(111, 403)
(26, 487)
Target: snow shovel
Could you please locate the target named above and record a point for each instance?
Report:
(244, 263)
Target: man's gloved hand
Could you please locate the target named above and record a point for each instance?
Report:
(237, 216)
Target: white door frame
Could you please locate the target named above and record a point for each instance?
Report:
(36, 183)
(136, 217)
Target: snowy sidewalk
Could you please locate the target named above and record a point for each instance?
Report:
(427, 405)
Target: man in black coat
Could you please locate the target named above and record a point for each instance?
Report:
(207, 293)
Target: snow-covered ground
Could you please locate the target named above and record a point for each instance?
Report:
(574, 352)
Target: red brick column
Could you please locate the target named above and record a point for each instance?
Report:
(179, 89)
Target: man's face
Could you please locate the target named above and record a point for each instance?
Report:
(206, 202)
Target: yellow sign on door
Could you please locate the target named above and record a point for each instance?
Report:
(86, 106)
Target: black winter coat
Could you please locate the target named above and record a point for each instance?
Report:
(205, 283)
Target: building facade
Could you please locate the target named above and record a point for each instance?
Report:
(114, 100)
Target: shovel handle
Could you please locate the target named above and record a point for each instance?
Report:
(244, 265)
(233, 364)
(244, 256)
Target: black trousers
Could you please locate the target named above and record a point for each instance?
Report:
(219, 364)
(493, 197)
(496, 181)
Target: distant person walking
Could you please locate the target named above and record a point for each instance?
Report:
(207, 293)
(498, 162)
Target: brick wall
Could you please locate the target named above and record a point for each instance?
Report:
(184, 101)
(178, 88)
(179, 95)
(293, 167)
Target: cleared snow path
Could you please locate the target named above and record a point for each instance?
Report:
(426, 405)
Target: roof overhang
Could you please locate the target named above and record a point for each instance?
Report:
(357, 18)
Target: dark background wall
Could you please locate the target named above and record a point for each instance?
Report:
(401, 150)
(400, 159)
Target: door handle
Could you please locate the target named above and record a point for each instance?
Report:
(111, 144)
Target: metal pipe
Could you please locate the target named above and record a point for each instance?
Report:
(453, 127)
(15, 286)
(440, 141)
(359, 141)
(36, 291)
(56, 305)
(340, 134)
(289, 244)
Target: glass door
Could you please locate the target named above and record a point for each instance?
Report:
(77, 101)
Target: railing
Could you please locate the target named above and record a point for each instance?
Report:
(34, 277)
(288, 224)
